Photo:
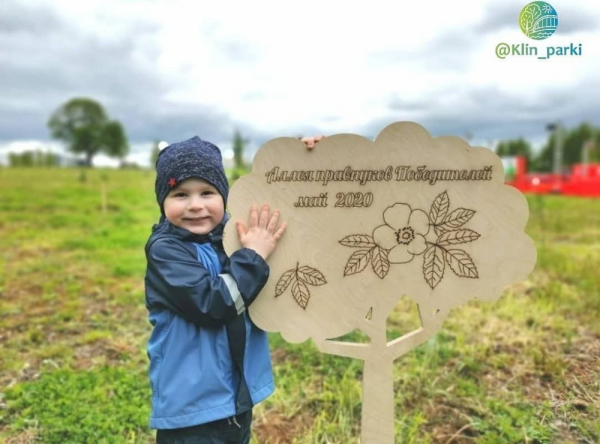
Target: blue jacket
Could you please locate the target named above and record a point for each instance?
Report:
(197, 300)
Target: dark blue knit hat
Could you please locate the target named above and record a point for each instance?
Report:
(191, 158)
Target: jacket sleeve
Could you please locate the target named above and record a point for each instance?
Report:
(250, 272)
(176, 280)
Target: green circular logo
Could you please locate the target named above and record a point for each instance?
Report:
(538, 20)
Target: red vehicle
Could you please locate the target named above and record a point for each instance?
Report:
(583, 179)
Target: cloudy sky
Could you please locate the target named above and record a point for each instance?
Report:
(172, 69)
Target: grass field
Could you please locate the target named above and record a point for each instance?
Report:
(73, 330)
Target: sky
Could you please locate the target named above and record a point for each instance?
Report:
(169, 70)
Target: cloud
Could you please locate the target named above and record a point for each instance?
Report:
(20, 19)
(169, 71)
(42, 70)
(499, 16)
(489, 112)
(121, 70)
(571, 21)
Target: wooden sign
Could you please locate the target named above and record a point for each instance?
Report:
(371, 221)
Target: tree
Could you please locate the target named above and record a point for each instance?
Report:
(239, 166)
(238, 150)
(154, 152)
(24, 159)
(594, 155)
(573, 142)
(115, 140)
(84, 126)
(516, 147)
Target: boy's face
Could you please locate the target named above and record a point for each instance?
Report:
(194, 205)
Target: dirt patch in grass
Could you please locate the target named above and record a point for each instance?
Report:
(51, 319)
(572, 387)
(279, 355)
(105, 352)
(27, 436)
(578, 393)
(275, 427)
(584, 359)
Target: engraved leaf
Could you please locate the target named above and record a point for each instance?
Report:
(381, 264)
(357, 262)
(284, 282)
(433, 266)
(456, 219)
(358, 240)
(439, 209)
(440, 229)
(311, 276)
(457, 237)
(300, 293)
(461, 264)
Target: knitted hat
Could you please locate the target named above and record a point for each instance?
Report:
(191, 158)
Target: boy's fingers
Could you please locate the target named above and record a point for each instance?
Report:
(253, 216)
(241, 229)
(264, 216)
(272, 226)
(311, 141)
(280, 231)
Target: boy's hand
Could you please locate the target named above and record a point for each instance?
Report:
(262, 233)
(311, 141)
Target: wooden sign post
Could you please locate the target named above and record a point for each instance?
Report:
(371, 221)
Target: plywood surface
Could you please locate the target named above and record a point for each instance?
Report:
(370, 221)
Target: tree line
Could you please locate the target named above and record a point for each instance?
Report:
(33, 158)
(85, 128)
(574, 142)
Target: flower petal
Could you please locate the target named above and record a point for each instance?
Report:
(397, 216)
(385, 237)
(400, 255)
(419, 222)
(418, 245)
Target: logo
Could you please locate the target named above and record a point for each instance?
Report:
(538, 20)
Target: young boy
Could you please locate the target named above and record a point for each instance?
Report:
(209, 364)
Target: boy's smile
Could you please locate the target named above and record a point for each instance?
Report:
(194, 205)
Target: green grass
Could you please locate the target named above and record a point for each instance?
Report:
(99, 405)
(73, 329)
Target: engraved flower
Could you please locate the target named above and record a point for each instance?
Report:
(403, 233)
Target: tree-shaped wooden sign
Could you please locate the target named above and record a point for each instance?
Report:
(371, 221)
